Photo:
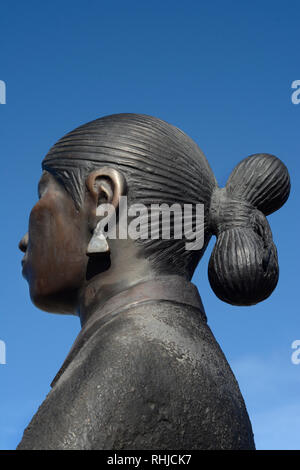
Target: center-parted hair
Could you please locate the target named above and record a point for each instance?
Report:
(163, 165)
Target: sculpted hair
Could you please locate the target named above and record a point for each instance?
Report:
(163, 165)
(243, 267)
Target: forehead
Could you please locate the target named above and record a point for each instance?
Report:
(45, 178)
(45, 175)
(49, 182)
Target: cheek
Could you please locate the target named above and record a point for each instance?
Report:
(56, 250)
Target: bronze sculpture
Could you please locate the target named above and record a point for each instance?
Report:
(145, 371)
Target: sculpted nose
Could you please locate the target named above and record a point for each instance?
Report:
(24, 243)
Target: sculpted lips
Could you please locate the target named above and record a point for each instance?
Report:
(23, 247)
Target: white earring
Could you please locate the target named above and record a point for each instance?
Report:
(98, 243)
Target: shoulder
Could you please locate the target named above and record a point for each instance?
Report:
(146, 379)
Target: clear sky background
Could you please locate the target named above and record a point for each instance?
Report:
(219, 70)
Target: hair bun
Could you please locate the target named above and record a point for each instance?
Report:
(262, 180)
(243, 267)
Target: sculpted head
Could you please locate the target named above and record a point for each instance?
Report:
(150, 162)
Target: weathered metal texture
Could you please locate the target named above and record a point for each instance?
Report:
(145, 371)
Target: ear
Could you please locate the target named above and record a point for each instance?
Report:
(106, 185)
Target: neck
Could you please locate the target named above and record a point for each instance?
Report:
(172, 288)
(126, 268)
(168, 288)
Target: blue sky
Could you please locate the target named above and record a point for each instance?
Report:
(222, 72)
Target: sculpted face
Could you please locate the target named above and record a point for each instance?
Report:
(55, 248)
(56, 264)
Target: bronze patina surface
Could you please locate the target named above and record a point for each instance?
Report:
(145, 371)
